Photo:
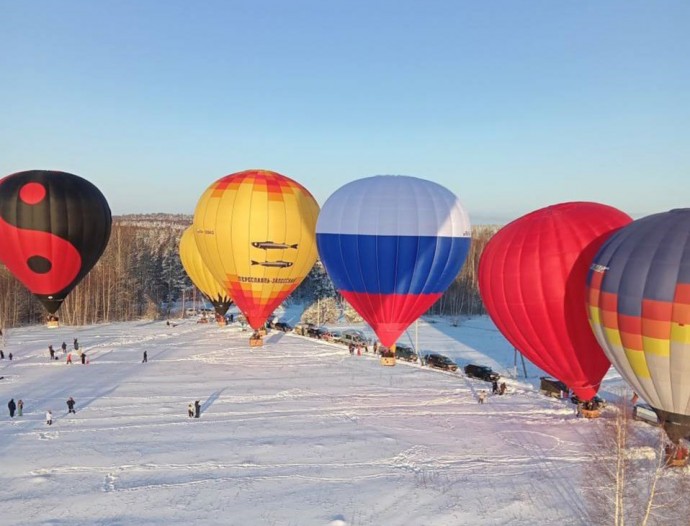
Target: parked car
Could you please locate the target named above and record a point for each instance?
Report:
(323, 333)
(405, 352)
(282, 326)
(354, 336)
(645, 413)
(552, 387)
(303, 328)
(482, 372)
(440, 361)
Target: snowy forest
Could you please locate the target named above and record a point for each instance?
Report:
(140, 275)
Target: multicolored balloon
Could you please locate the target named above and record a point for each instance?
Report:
(200, 275)
(392, 245)
(638, 300)
(532, 276)
(54, 226)
(255, 233)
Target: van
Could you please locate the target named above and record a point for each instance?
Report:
(354, 336)
(645, 413)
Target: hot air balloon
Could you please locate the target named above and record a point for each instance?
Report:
(532, 276)
(202, 278)
(54, 226)
(255, 233)
(392, 245)
(638, 300)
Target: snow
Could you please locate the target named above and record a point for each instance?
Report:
(297, 432)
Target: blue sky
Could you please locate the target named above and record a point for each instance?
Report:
(512, 105)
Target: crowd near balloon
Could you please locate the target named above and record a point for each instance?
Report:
(574, 286)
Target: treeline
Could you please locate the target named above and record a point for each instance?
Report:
(140, 275)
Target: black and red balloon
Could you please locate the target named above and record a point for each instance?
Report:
(54, 226)
(532, 276)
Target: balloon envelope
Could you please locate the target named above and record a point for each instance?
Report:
(392, 245)
(638, 300)
(255, 232)
(200, 275)
(54, 226)
(532, 277)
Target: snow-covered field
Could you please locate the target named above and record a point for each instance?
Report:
(297, 432)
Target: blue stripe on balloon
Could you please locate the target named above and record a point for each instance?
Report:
(392, 264)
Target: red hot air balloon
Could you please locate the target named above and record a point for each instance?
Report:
(54, 226)
(532, 277)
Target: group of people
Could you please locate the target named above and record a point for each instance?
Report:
(18, 408)
(2, 355)
(498, 389)
(194, 409)
(82, 354)
(15, 407)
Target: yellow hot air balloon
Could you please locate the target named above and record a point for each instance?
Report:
(200, 275)
(255, 230)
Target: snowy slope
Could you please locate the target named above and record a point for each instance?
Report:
(295, 433)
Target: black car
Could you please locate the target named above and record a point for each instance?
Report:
(440, 361)
(282, 326)
(482, 372)
(405, 352)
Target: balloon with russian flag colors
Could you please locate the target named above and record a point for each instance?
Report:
(392, 244)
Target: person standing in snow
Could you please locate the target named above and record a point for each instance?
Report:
(12, 407)
(494, 386)
(190, 410)
(51, 351)
(83, 358)
(2, 355)
(64, 347)
(481, 397)
(10, 357)
(49, 417)
(146, 358)
(20, 407)
(76, 345)
(69, 358)
(197, 409)
(70, 406)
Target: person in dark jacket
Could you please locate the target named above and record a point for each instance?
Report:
(76, 345)
(494, 386)
(70, 405)
(83, 358)
(12, 407)
(51, 351)
(146, 358)
(197, 409)
(64, 347)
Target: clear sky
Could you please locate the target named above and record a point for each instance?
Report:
(512, 105)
